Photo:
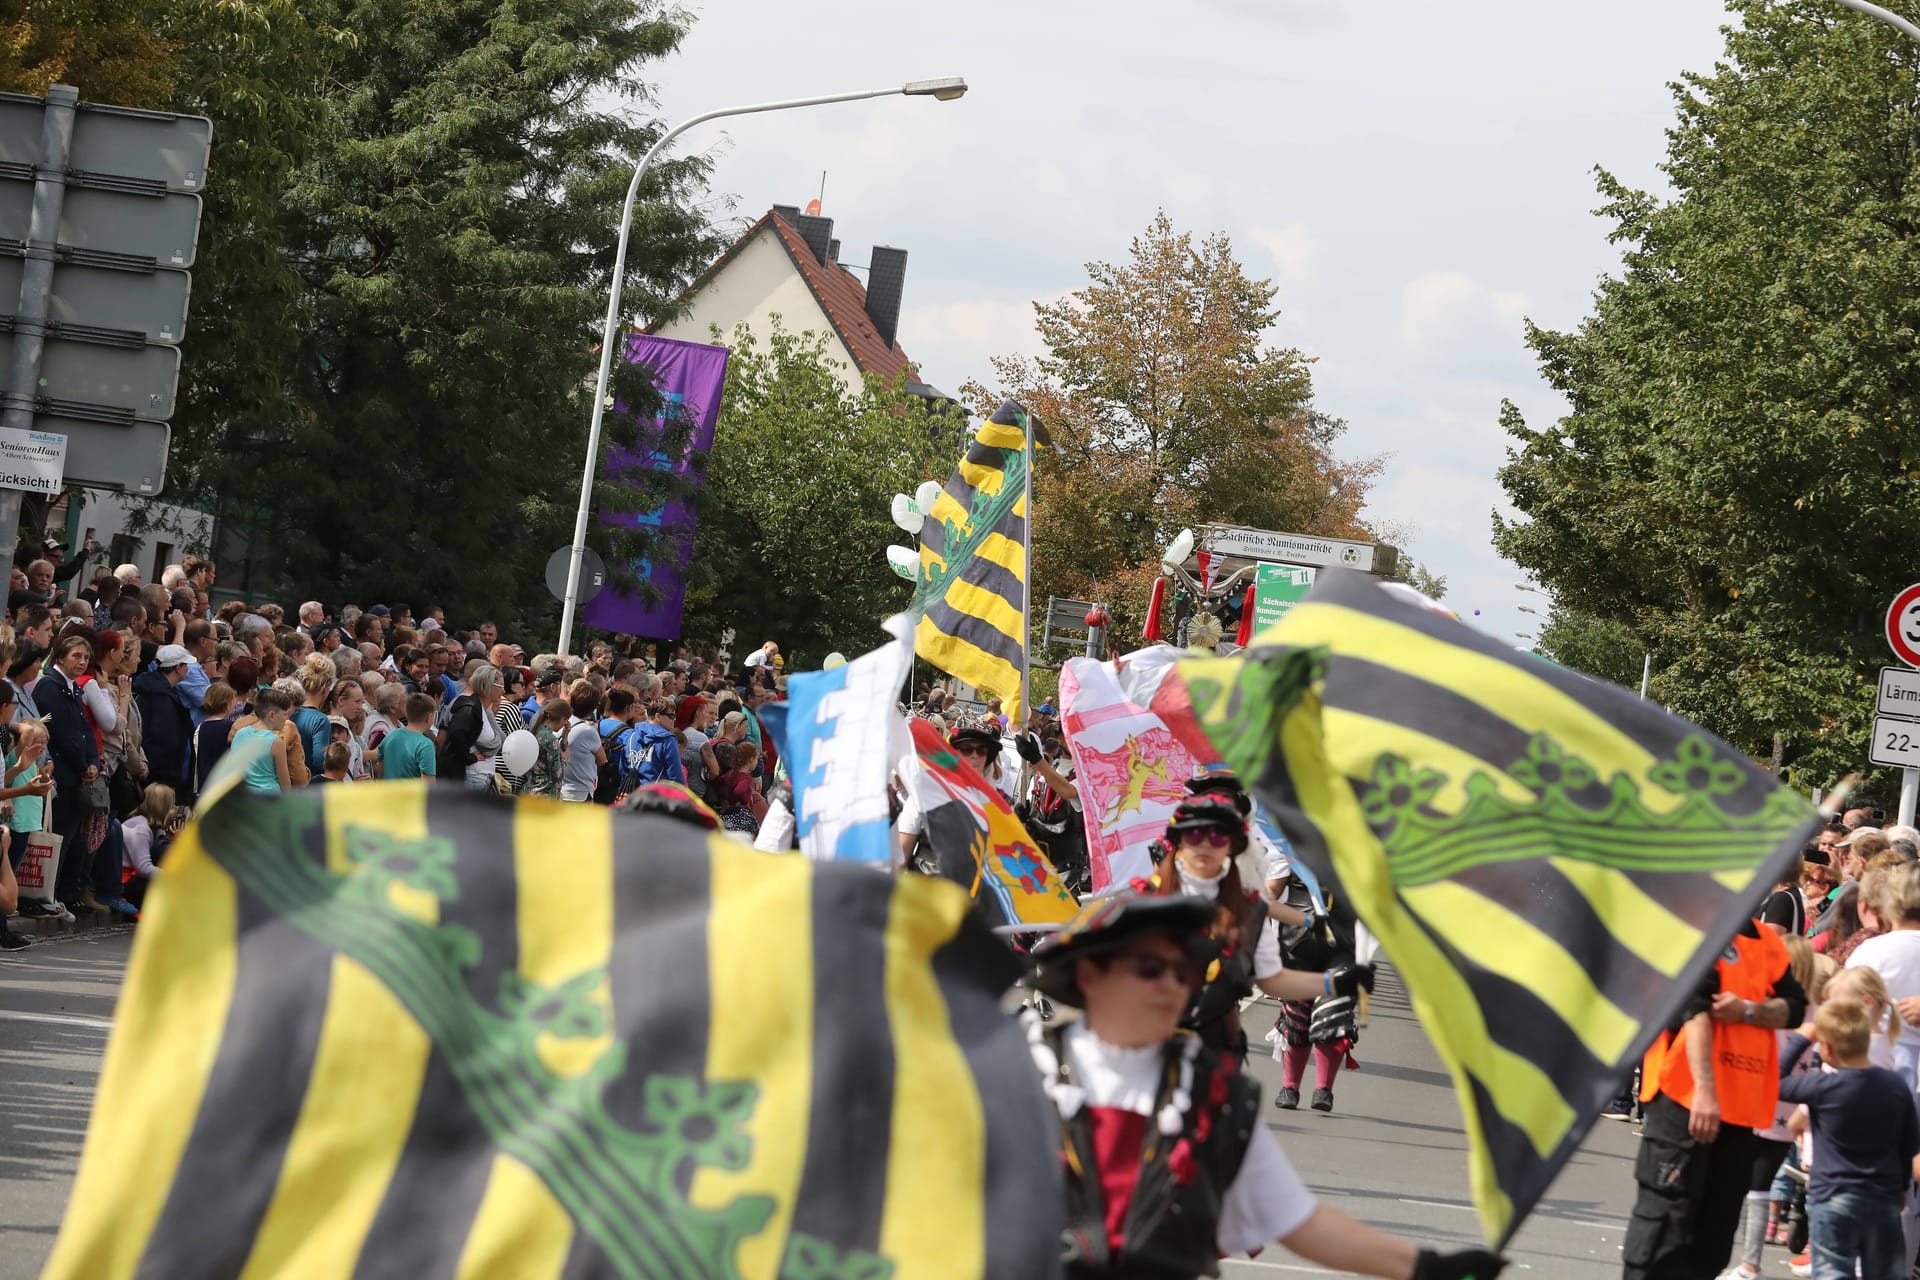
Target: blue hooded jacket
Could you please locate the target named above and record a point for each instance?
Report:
(649, 753)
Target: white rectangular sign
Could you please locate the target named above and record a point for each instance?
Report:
(1899, 693)
(1896, 743)
(1289, 548)
(32, 460)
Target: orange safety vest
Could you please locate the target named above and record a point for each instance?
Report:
(1746, 1061)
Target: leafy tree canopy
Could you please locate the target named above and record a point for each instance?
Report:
(795, 517)
(406, 249)
(1736, 477)
(1169, 409)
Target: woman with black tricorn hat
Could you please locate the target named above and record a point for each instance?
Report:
(1168, 1167)
(1198, 860)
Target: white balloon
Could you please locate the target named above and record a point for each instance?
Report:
(906, 515)
(834, 660)
(905, 562)
(926, 495)
(1179, 549)
(521, 750)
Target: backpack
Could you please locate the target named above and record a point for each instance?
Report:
(608, 784)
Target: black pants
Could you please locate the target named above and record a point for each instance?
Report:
(1690, 1197)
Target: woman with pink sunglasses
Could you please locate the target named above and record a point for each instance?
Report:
(1205, 837)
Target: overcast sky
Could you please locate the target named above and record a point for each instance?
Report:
(1416, 177)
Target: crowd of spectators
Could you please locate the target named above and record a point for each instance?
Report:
(120, 699)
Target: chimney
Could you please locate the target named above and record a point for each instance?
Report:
(791, 212)
(818, 233)
(886, 280)
(833, 250)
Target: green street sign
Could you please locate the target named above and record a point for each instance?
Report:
(1276, 589)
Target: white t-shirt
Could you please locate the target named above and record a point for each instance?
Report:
(1267, 1200)
(1896, 958)
(758, 658)
(1266, 952)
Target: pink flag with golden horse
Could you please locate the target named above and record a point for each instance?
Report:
(1131, 770)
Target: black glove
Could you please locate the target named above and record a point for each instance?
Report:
(1028, 745)
(1347, 979)
(1468, 1264)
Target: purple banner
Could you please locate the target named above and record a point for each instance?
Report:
(689, 377)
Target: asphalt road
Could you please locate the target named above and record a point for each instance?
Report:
(56, 1007)
(1392, 1153)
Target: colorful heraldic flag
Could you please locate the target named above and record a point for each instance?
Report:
(839, 735)
(972, 597)
(690, 377)
(423, 1032)
(1130, 767)
(980, 843)
(1148, 678)
(1552, 863)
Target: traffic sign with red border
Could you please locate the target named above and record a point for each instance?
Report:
(1903, 626)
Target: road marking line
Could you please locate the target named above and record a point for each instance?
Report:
(1437, 1204)
(42, 1128)
(58, 1019)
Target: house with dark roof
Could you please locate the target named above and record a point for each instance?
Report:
(788, 264)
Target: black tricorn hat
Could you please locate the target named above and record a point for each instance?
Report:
(1220, 782)
(1208, 810)
(1109, 923)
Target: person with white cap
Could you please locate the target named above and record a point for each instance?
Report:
(166, 720)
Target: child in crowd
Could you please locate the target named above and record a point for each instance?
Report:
(408, 753)
(26, 761)
(28, 757)
(1867, 1147)
(333, 766)
(145, 837)
(544, 778)
(268, 775)
(210, 740)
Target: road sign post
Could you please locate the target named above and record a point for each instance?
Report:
(1896, 724)
(99, 216)
(39, 246)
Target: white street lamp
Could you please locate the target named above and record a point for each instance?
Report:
(945, 89)
(1892, 19)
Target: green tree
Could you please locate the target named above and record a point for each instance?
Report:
(1599, 647)
(1169, 409)
(111, 50)
(405, 252)
(256, 68)
(452, 234)
(1735, 480)
(795, 515)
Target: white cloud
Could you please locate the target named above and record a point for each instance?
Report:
(1295, 252)
(1445, 312)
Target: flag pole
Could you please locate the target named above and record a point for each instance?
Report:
(1026, 613)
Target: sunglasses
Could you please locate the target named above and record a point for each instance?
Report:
(1213, 837)
(1151, 968)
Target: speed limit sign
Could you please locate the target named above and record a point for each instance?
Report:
(1903, 626)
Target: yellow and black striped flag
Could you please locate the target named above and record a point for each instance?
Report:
(1551, 863)
(390, 1030)
(972, 598)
